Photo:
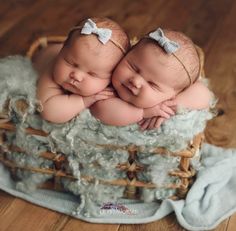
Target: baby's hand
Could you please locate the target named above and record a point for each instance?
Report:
(155, 116)
(151, 123)
(165, 109)
(105, 94)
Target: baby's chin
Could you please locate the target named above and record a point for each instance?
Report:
(74, 90)
(136, 100)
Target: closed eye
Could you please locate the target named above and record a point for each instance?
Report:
(71, 63)
(93, 74)
(67, 61)
(153, 85)
(134, 67)
(99, 76)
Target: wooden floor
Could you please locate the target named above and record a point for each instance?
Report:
(211, 24)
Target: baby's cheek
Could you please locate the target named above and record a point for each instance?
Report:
(102, 84)
(93, 86)
(147, 97)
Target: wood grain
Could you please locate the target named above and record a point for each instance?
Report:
(75, 224)
(16, 214)
(221, 69)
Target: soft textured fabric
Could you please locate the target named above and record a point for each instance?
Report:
(210, 200)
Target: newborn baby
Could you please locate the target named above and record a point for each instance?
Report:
(160, 67)
(77, 74)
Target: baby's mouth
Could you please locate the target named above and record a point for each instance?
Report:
(70, 84)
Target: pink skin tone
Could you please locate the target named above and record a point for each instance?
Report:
(145, 82)
(76, 77)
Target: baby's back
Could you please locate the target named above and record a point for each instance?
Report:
(43, 59)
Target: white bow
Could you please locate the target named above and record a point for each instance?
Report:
(168, 45)
(103, 34)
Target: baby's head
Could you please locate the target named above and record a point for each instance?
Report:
(149, 74)
(90, 53)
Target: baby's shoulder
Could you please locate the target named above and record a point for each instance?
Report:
(46, 77)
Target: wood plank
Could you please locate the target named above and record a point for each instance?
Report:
(206, 20)
(45, 24)
(16, 12)
(166, 224)
(137, 22)
(220, 66)
(25, 26)
(75, 224)
(21, 215)
(231, 223)
(6, 6)
(5, 201)
(223, 226)
(45, 21)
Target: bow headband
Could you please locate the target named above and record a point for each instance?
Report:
(169, 46)
(103, 34)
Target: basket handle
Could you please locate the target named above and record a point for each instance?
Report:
(43, 42)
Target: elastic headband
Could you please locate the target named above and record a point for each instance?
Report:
(103, 34)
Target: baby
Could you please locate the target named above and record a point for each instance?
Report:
(160, 67)
(76, 75)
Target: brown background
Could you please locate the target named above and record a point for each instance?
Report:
(211, 25)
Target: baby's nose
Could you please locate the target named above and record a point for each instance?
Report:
(76, 75)
(136, 81)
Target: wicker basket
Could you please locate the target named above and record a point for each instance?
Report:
(185, 171)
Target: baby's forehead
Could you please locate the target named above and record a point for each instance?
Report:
(91, 45)
(150, 58)
(148, 49)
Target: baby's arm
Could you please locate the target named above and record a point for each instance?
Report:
(197, 96)
(59, 107)
(116, 112)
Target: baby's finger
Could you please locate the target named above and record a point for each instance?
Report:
(164, 114)
(141, 121)
(167, 109)
(152, 123)
(159, 121)
(145, 124)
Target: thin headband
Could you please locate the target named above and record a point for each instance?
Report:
(104, 34)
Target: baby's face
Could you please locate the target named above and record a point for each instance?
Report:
(84, 66)
(145, 77)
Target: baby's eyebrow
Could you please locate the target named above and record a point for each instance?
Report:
(96, 75)
(134, 67)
